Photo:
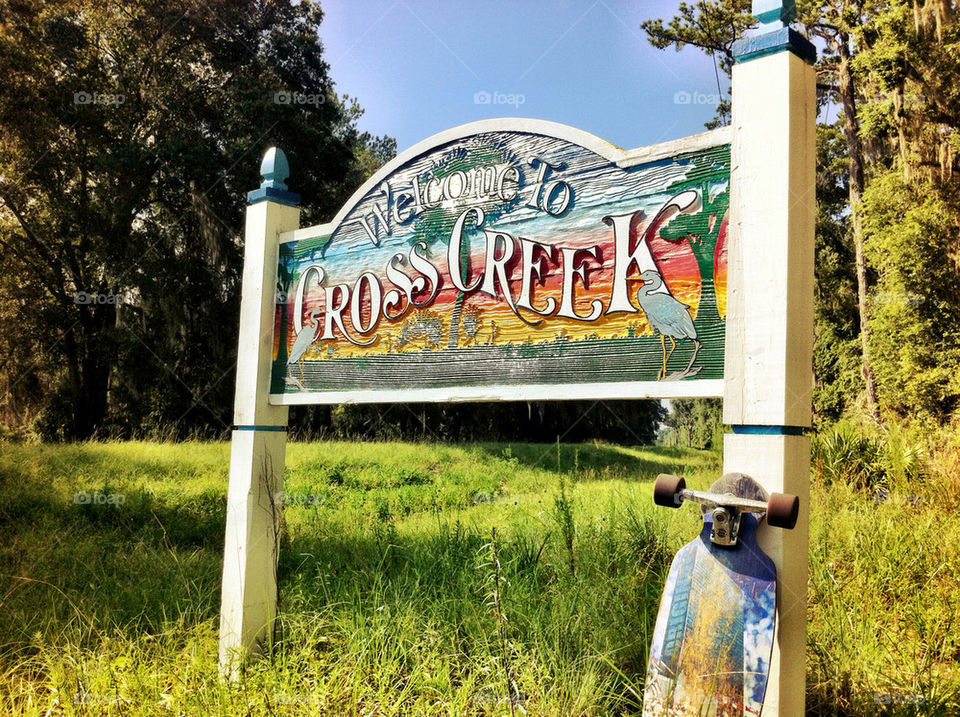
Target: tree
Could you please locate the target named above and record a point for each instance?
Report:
(909, 66)
(694, 422)
(836, 352)
(711, 25)
(836, 23)
(714, 25)
(912, 229)
(130, 135)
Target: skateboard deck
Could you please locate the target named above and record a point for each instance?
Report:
(714, 633)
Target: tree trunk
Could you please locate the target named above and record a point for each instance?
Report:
(89, 347)
(855, 153)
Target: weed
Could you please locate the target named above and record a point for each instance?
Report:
(493, 599)
(563, 508)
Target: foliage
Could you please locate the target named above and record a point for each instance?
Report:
(836, 354)
(123, 604)
(564, 505)
(888, 208)
(912, 241)
(130, 136)
(694, 423)
(846, 455)
(855, 456)
(539, 421)
(882, 609)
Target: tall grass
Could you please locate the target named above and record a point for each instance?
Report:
(113, 607)
(884, 566)
(422, 579)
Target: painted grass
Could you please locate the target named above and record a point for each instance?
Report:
(396, 603)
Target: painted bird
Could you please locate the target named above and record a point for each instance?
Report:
(308, 334)
(667, 316)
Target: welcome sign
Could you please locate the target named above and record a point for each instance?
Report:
(512, 259)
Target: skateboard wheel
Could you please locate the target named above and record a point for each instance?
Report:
(666, 491)
(782, 510)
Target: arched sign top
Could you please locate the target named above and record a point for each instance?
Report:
(546, 128)
(510, 124)
(512, 258)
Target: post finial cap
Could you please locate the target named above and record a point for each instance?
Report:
(773, 34)
(774, 11)
(275, 169)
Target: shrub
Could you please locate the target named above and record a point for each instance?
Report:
(849, 454)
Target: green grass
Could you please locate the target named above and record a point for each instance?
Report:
(394, 600)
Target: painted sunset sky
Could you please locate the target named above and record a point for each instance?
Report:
(588, 189)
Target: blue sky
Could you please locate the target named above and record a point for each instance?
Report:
(421, 66)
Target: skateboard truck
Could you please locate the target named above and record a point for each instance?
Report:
(727, 509)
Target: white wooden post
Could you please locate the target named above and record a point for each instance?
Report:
(249, 590)
(768, 372)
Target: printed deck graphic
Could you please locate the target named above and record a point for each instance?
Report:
(714, 633)
(512, 258)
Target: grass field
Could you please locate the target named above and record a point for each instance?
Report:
(399, 598)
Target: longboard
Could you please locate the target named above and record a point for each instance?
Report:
(714, 633)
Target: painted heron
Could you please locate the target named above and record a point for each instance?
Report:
(668, 316)
(308, 334)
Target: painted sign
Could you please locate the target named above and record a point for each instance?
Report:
(512, 259)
